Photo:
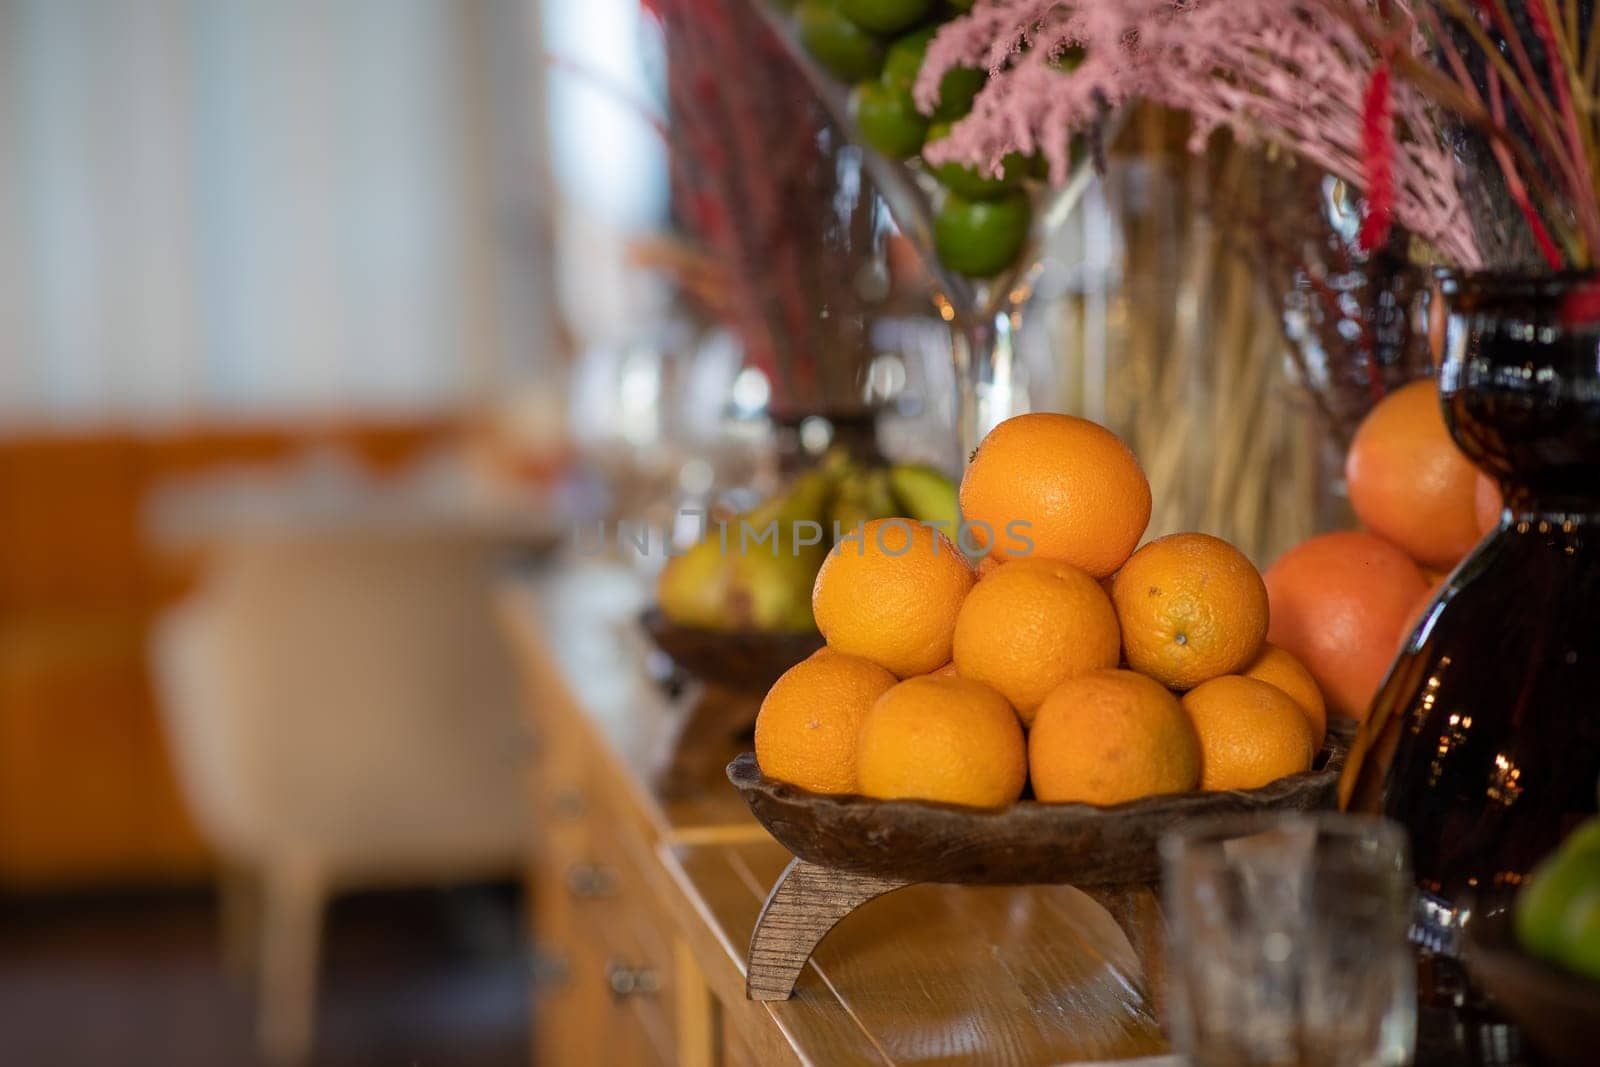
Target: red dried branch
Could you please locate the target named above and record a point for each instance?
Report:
(1377, 151)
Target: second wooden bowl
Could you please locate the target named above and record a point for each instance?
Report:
(1028, 842)
(747, 661)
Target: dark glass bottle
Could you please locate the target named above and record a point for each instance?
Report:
(1484, 741)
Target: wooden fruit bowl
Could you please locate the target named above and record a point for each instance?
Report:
(736, 668)
(746, 661)
(1559, 1011)
(1026, 843)
(849, 849)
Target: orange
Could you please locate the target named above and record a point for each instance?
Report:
(946, 739)
(1409, 483)
(890, 594)
(1030, 626)
(808, 723)
(1056, 487)
(1277, 667)
(1111, 736)
(1191, 607)
(1487, 503)
(1251, 733)
(947, 671)
(1340, 604)
(988, 564)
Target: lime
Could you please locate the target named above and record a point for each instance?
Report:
(968, 181)
(956, 89)
(888, 119)
(885, 16)
(843, 49)
(903, 60)
(1068, 60)
(1077, 152)
(981, 237)
(1540, 913)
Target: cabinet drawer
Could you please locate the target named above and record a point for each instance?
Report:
(636, 952)
(595, 912)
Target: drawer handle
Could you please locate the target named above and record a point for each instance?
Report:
(523, 741)
(591, 881)
(626, 981)
(548, 968)
(568, 803)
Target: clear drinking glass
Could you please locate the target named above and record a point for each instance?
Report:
(1288, 942)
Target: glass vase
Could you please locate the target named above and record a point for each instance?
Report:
(1484, 741)
(983, 314)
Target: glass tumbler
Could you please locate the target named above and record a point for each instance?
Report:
(1288, 942)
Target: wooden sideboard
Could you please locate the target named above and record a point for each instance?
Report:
(643, 900)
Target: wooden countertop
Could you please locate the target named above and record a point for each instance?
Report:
(576, 626)
(928, 974)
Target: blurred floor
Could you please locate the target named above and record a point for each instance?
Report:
(434, 978)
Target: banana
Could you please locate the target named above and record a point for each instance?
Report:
(776, 558)
(756, 570)
(925, 494)
(859, 497)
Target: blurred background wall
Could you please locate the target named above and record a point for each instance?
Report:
(231, 231)
(236, 207)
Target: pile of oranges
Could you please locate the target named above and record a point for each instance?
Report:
(1343, 602)
(1067, 660)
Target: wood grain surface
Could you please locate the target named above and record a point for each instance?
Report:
(808, 901)
(929, 974)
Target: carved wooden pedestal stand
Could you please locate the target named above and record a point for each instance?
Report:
(853, 849)
(809, 900)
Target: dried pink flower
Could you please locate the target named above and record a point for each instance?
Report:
(1288, 72)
